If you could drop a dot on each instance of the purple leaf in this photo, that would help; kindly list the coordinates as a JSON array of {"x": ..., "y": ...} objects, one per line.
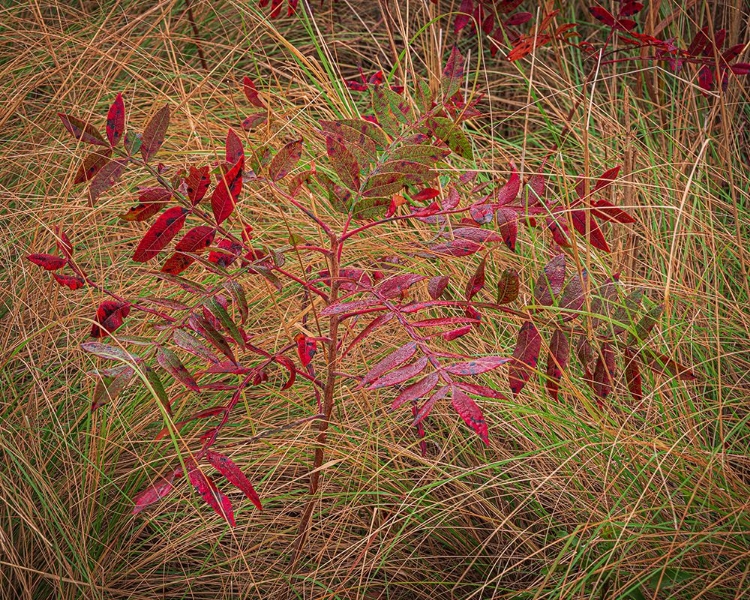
[{"x": 525, "y": 356}]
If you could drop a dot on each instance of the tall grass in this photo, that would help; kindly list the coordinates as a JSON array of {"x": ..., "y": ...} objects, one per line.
[{"x": 646, "y": 501}]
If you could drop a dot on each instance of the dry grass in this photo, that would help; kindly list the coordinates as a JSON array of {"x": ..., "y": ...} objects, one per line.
[{"x": 565, "y": 503}]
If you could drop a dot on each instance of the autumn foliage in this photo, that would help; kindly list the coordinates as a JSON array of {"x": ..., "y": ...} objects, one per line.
[{"x": 385, "y": 168}]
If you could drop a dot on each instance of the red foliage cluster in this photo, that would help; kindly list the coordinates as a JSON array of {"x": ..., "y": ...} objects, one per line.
[{"x": 380, "y": 170}]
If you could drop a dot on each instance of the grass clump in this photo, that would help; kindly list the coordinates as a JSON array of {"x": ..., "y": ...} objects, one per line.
[{"x": 567, "y": 501}]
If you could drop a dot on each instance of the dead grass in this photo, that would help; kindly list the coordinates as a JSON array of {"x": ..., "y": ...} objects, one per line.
[{"x": 563, "y": 504}]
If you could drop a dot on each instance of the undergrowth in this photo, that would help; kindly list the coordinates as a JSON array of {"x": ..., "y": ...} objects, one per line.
[{"x": 566, "y": 500}]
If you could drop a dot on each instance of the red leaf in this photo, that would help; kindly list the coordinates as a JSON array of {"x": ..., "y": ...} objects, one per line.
[
  {"x": 477, "y": 234},
  {"x": 289, "y": 366},
  {"x": 525, "y": 356},
  {"x": 400, "y": 375},
  {"x": 482, "y": 212},
  {"x": 630, "y": 8},
  {"x": 509, "y": 192},
  {"x": 254, "y": 120},
  {"x": 441, "y": 321},
  {"x": 348, "y": 307},
  {"x": 480, "y": 390},
  {"x": 91, "y": 165},
  {"x": 285, "y": 160},
  {"x": 398, "y": 285},
  {"x": 194, "y": 241},
  {"x": 604, "y": 373},
  {"x": 626, "y": 24},
  {"x": 700, "y": 41},
  {"x": 425, "y": 194},
  {"x": 390, "y": 362},
  {"x": 607, "y": 178},
  {"x": 153, "y": 134},
  {"x": 557, "y": 361},
  {"x": 602, "y": 15},
  {"x": 227, "y": 192},
  {"x": 49, "y": 262},
  {"x": 306, "y": 348},
  {"x": 171, "y": 363},
  {"x": 608, "y": 212},
  {"x": 426, "y": 409},
  {"x": 633, "y": 375},
  {"x": 476, "y": 282},
  {"x": 81, "y": 130},
  {"x": 596, "y": 238},
  {"x": 472, "y": 415},
  {"x": 585, "y": 353},
  {"x": 436, "y": 286},
  {"x": 740, "y": 68},
  {"x": 233, "y": 148},
  {"x": 537, "y": 186},
  {"x": 663, "y": 364},
  {"x": 416, "y": 390},
  {"x": 234, "y": 475},
  {"x": 251, "y": 93},
  {"x": 706, "y": 78},
  {"x": 211, "y": 495},
  {"x": 507, "y": 222},
  {"x": 64, "y": 245},
  {"x": 197, "y": 182},
  {"x": 458, "y": 247},
  {"x": 560, "y": 232},
  {"x": 453, "y": 73},
  {"x": 160, "y": 234},
  {"x": 109, "y": 317},
  {"x": 449, "y": 336},
  {"x": 151, "y": 201},
  {"x": 372, "y": 326},
  {"x": 507, "y": 286},
  {"x": 518, "y": 19},
  {"x": 462, "y": 19},
  {"x": 452, "y": 200},
  {"x": 343, "y": 162},
  {"x": 116, "y": 121},
  {"x": 232, "y": 251},
  {"x": 73, "y": 283},
  {"x": 573, "y": 295},
  {"x": 550, "y": 281},
  {"x": 476, "y": 366},
  {"x": 156, "y": 491},
  {"x": 106, "y": 178}
]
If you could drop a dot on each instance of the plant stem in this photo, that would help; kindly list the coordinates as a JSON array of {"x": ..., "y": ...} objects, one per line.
[{"x": 328, "y": 401}]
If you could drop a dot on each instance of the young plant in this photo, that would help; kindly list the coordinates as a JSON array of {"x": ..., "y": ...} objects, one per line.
[{"x": 381, "y": 170}]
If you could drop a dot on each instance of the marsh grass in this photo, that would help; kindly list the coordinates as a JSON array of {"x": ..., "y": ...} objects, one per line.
[{"x": 567, "y": 502}]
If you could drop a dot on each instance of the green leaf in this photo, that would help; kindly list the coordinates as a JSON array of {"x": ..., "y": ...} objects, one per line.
[
  {"x": 382, "y": 108},
  {"x": 419, "y": 153},
  {"x": 171, "y": 363},
  {"x": 220, "y": 313},
  {"x": 424, "y": 95},
  {"x": 645, "y": 325},
  {"x": 158, "y": 388},
  {"x": 109, "y": 389},
  {"x": 371, "y": 208},
  {"x": 238, "y": 295},
  {"x": 133, "y": 142},
  {"x": 452, "y": 134}
]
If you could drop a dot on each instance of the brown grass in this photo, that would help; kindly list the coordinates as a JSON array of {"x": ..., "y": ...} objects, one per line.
[{"x": 564, "y": 503}]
